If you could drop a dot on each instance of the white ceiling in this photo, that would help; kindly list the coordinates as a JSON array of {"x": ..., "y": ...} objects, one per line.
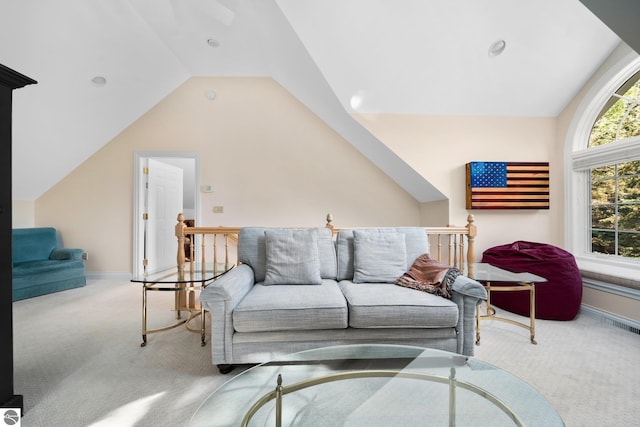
[{"x": 399, "y": 57}]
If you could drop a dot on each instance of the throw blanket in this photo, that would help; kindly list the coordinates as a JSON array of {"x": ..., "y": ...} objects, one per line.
[{"x": 429, "y": 275}]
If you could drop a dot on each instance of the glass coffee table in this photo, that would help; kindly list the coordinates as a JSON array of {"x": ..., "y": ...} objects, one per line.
[
  {"x": 184, "y": 285},
  {"x": 375, "y": 385},
  {"x": 496, "y": 279}
]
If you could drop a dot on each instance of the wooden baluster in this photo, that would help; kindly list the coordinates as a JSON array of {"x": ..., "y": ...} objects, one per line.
[
  {"x": 192, "y": 251},
  {"x": 455, "y": 248},
  {"x": 226, "y": 251},
  {"x": 462, "y": 257},
  {"x": 215, "y": 253},
  {"x": 180, "y": 235},
  {"x": 203, "y": 255}
]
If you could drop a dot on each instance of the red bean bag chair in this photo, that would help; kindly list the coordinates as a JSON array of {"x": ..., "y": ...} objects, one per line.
[{"x": 557, "y": 299}]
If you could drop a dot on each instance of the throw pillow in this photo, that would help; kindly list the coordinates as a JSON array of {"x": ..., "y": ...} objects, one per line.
[
  {"x": 292, "y": 257},
  {"x": 378, "y": 257}
]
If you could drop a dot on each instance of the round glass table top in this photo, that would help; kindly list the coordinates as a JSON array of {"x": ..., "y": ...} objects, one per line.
[{"x": 375, "y": 385}]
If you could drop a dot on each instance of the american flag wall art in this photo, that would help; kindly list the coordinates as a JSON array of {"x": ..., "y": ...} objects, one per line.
[{"x": 507, "y": 185}]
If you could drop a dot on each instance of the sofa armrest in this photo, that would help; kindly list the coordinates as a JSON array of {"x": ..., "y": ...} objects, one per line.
[
  {"x": 67, "y": 253},
  {"x": 221, "y": 297},
  {"x": 232, "y": 286},
  {"x": 467, "y": 294},
  {"x": 469, "y": 287}
]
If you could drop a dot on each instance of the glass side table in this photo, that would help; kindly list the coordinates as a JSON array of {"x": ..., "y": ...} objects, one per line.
[
  {"x": 184, "y": 285},
  {"x": 496, "y": 279}
]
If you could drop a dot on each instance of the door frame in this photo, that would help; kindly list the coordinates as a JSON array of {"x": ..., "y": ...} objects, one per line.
[{"x": 138, "y": 201}]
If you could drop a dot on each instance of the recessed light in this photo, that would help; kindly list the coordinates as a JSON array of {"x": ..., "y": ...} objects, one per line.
[
  {"x": 99, "y": 81},
  {"x": 497, "y": 48},
  {"x": 213, "y": 43}
]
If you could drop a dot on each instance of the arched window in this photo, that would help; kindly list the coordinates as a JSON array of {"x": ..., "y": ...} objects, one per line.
[
  {"x": 615, "y": 187},
  {"x": 603, "y": 171}
]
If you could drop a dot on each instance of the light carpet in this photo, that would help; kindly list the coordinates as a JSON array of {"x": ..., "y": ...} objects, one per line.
[{"x": 78, "y": 362}]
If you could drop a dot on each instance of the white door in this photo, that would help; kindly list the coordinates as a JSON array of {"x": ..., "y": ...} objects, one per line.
[{"x": 163, "y": 204}]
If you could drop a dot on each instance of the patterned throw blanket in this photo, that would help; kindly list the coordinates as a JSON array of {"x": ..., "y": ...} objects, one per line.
[{"x": 429, "y": 275}]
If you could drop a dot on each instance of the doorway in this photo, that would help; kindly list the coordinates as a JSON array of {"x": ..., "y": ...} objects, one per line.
[{"x": 165, "y": 184}]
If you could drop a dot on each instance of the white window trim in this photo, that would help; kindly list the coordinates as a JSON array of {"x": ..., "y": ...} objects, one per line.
[{"x": 577, "y": 161}]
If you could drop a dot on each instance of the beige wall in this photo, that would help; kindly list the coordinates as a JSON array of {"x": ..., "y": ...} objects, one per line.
[
  {"x": 270, "y": 160},
  {"x": 23, "y": 213},
  {"x": 438, "y": 147}
]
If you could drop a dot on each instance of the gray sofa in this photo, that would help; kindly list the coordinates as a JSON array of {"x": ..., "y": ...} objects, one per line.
[{"x": 297, "y": 289}]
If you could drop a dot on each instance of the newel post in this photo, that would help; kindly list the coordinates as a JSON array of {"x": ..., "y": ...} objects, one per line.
[
  {"x": 473, "y": 231},
  {"x": 329, "y": 223}
]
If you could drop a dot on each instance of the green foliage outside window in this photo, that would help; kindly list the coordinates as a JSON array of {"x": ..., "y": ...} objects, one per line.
[{"x": 615, "y": 189}]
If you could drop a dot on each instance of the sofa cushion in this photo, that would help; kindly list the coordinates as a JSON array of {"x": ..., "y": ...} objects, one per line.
[
  {"x": 291, "y": 307},
  {"x": 252, "y": 250},
  {"x": 385, "y": 305},
  {"x": 292, "y": 257},
  {"x": 378, "y": 257},
  {"x": 415, "y": 239},
  {"x": 45, "y": 266}
]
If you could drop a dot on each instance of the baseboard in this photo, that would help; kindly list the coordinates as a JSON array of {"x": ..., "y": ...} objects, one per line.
[
  {"x": 612, "y": 319},
  {"x": 101, "y": 275}
]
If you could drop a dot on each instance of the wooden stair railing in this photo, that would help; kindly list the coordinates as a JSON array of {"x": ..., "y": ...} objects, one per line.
[
  {"x": 453, "y": 237},
  {"x": 205, "y": 245},
  {"x": 453, "y": 245}
]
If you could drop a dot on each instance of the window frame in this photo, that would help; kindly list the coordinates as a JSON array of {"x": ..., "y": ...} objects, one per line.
[{"x": 578, "y": 161}]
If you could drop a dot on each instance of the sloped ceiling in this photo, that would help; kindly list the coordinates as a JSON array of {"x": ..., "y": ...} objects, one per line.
[{"x": 337, "y": 57}]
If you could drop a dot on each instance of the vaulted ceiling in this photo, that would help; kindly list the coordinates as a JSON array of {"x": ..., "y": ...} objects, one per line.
[{"x": 335, "y": 56}]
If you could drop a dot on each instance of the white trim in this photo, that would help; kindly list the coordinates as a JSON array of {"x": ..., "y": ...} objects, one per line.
[
  {"x": 608, "y": 154},
  {"x": 611, "y": 288},
  {"x": 624, "y": 268}
]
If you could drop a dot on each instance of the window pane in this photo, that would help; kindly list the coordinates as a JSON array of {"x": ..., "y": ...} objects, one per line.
[
  {"x": 605, "y": 128},
  {"x": 629, "y": 245},
  {"x": 629, "y": 168},
  {"x": 603, "y": 217},
  {"x": 629, "y": 189},
  {"x": 603, "y": 172},
  {"x": 630, "y": 124},
  {"x": 603, "y": 191},
  {"x": 603, "y": 242},
  {"x": 629, "y": 218}
]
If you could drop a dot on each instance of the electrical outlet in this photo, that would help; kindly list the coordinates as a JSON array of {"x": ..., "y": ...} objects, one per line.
[{"x": 218, "y": 209}]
